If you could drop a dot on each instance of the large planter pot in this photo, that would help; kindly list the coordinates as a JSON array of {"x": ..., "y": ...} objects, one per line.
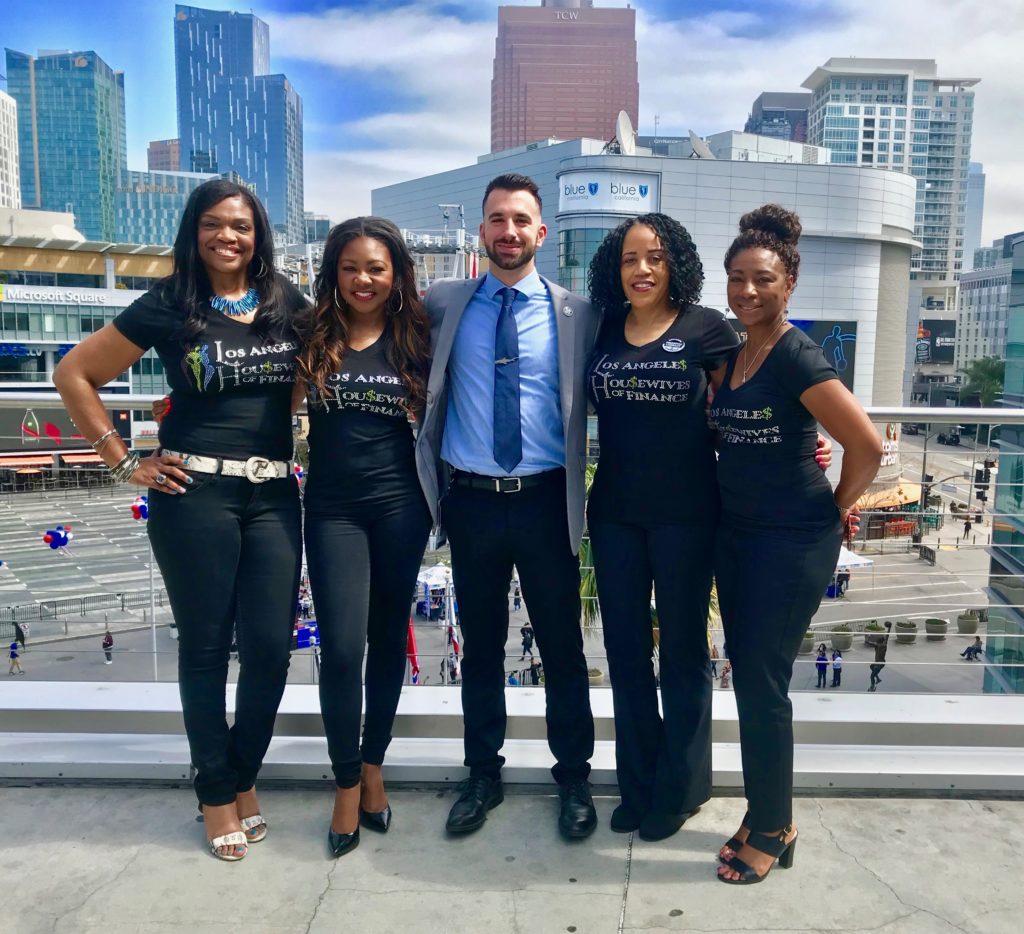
[
  {"x": 873, "y": 637},
  {"x": 595, "y": 676},
  {"x": 842, "y": 640},
  {"x": 807, "y": 644},
  {"x": 936, "y": 629},
  {"x": 967, "y": 624},
  {"x": 906, "y": 631}
]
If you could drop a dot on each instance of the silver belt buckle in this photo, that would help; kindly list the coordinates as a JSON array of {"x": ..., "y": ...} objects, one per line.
[
  {"x": 510, "y": 489},
  {"x": 257, "y": 470}
]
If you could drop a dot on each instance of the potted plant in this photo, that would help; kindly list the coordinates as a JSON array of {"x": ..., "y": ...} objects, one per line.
[
  {"x": 807, "y": 644},
  {"x": 967, "y": 623},
  {"x": 874, "y": 633},
  {"x": 595, "y": 676},
  {"x": 906, "y": 631},
  {"x": 936, "y": 629},
  {"x": 842, "y": 637}
]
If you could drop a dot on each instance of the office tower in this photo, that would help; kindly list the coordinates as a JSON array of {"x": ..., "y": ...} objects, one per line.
[
  {"x": 780, "y": 115},
  {"x": 983, "y": 312},
  {"x": 317, "y": 226},
  {"x": 900, "y": 114},
  {"x": 563, "y": 69},
  {"x": 10, "y": 184},
  {"x": 164, "y": 155},
  {"x": 975, "y": 212},
  {"x": 71, "y": 135},
  {"x": 233, "y": 116}
]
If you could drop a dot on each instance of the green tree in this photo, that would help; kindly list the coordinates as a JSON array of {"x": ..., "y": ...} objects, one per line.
[{"x": 984, "y": 377}]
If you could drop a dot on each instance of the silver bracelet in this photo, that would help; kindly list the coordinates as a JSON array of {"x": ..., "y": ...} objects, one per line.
[
  {"x": 125, "y": 468},
  {"x": 103, "y": 439}
]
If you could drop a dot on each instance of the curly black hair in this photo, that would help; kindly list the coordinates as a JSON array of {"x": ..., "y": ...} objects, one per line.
[
  {"x": 686, "y": 275},
  {"x": 771, "y": 227}
]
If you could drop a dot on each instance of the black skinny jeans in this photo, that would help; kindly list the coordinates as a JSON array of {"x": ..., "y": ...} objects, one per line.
[
  {"x": 770, "y": 584},
  {"x": 229, "y": 551},
  {"x": 662, "y": 760},
  {"x": 363, "y": 564}
]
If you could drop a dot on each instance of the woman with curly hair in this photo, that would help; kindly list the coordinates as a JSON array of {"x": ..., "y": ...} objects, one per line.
[
  {"x": 652, "y": 512},
  {"x": 782, "y": 523},
  {"x": 364, "y": 361}
]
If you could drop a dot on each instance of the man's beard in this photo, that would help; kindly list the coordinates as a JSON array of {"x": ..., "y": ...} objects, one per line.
[{"x": 526, "y": 254}]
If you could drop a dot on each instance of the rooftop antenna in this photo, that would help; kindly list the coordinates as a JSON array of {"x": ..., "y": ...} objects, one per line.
[
  {"x": 625, "y": 135},
  {"x": 446, "y": 210},
  {"x": 700, "y": 148}
]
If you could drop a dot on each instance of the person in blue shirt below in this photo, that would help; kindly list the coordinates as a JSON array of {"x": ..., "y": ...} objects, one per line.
[
  {"x": 364, "y": 360},
  {"x": 782, "y": 523},
  {"x": 503, "y": 441}
]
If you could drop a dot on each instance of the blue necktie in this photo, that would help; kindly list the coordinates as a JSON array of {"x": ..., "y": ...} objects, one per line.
[{"x": 508, "y": 428}]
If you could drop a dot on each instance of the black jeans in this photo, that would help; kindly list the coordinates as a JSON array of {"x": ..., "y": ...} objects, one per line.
[
  {"x": 489, "y": 532},
  {"x": 229, "y": 550},
  {"x": 837, "y": 677},
  {"x": 362, "y": 569},
  {"x": 822, "y": 677},
  {"x": 770, "y": 584},
  {"x": 662, "y": 760}
]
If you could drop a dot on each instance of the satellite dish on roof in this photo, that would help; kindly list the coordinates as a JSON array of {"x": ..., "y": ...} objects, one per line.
[
  {"x": 700, "y": 148},
  {"x": 625, "y": 135}
]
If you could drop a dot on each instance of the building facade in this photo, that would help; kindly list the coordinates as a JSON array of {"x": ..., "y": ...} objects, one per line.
[
  {"x": 71, "y": 135},
  {"x": 975, "y": 212},
  {"x": 10, "y": 181},
  {"x": 748, "y": 147},
  {"x": 234, "y": 116},
  {"x": 317, "y": 226},
  {"x": 781, "y": 115},
  {"x": 562, "y": 69},
  {"x": 164, "y": 155},
  {"x": 984, "y": 303}
]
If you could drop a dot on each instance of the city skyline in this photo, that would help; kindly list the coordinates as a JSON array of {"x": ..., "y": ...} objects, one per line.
[{"x": 394, "y": 91}]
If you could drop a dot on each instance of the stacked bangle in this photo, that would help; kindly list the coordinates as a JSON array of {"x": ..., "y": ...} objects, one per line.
[
  {"x": 103, "y": 439},
  {"x": 125, "y": 468}
]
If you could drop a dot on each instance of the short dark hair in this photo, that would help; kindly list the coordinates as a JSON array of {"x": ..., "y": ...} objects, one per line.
[{"x": 512, "y": 181}]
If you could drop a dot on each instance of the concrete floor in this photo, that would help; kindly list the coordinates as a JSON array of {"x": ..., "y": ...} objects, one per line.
[{"x": 124, "y": 859}]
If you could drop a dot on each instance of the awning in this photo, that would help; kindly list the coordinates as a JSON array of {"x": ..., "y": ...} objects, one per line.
[
  {"x": 902, "y": 494},
  {"x": 81, "y": 458},
  {"x": 26, "y": 460}
]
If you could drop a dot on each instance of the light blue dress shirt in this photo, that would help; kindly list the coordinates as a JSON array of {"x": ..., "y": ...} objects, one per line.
[{"x": 468, "y": 442}]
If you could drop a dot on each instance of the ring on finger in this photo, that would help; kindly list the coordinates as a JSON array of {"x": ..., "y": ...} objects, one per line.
[{"x": 161, "y": 478}]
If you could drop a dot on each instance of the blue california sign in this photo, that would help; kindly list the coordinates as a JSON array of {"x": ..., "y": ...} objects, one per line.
[{"x": 592, "y": 188}]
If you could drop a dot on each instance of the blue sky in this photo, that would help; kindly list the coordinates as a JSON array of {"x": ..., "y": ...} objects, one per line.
[{"x": 394, "y": 89}]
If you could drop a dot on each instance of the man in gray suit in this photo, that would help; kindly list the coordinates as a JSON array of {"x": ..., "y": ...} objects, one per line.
[{"x": 503, "y": 444}]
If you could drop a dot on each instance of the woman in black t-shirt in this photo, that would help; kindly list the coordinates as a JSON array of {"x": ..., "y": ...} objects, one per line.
[
  {"x": 225, "y": 520},
  {"x": 782, "y": 524},
  {"x": 652, "y": 512},
  {"x": 364, "y": 360}
]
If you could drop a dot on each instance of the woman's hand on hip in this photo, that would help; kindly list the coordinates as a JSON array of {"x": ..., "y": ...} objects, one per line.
[{"x": 161, "y": 472}]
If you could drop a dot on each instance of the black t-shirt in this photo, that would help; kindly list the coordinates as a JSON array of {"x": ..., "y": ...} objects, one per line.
[
  {"x": 230, "y": 389},
  {"x": 657, "y": 461},
  {"x": 767, "y": 473},
  {"x": 360, "y": 439}
]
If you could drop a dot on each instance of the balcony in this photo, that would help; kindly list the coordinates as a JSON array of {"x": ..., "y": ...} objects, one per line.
[{"x": 894, "y": 786}]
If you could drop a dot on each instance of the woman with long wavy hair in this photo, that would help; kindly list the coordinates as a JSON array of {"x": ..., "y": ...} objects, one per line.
[
  {"x": 224, "y": 509},
  {"x": 364, "y": 360}
]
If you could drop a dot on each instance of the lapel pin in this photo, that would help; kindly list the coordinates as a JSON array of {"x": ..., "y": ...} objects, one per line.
[{"x": 567, "y": 311}]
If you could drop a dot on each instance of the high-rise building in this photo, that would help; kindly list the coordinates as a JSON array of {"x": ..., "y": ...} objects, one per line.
[
  {"x": 317, "y": 226},
  {"x": 71, "y": 135},
  {"x": 10, "y": 183},
  {"x": 975, "y": 212},
  {"x": 564, "y": 70},
  {"x": 164, "y": 155},
  {"x": 983, "y": 312},
  {"x": 233, "y": 115},
  {"x": 780, "y": 114},
  {"x": 900, "y": 114}
]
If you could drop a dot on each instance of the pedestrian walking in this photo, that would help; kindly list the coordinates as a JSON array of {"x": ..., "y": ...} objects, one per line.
[
  {"x": 19, "y": 635},
  {"x": 15, "y": 665},
  {"x": 881, "y": 648},
  {"x": 517, "y": 599},
  {"x": 821, "y": 663},
  {"x": 108, "y": 647},
  {"x": 527, "y": 633},
  {"x": 837, "y": 668},
  {"x": 714, "y": 660},
  {"x": 535, "y": 672},
  {"x": 726, "y": 671},
  {"x": 967, "y": 528}
]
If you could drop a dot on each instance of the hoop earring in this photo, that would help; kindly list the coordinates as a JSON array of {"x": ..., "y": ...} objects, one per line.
[
  {"x": 627, "y": 304},
  {"x": 263, "y": 268},
  {"x": 392, "y": 312},
  {"x": 337, "y": 301}
]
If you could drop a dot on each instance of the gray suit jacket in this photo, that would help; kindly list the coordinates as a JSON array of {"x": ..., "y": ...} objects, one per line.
[{"x": 577, "y": 331}]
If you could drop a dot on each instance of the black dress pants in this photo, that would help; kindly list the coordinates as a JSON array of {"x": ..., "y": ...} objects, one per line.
[
  {"x": 662, "y": 760},
  {"x": 489, "y": 533},
  {"x": 229, "y": 550},
  {"x": 363, "y": 564},
  {"x": 770, "y": 584}
]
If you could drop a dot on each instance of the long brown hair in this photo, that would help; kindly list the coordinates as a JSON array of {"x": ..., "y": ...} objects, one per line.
[{"x": 323, "y": 328}]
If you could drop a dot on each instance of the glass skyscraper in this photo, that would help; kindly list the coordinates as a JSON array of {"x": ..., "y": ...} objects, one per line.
[
  {"x": 233, "y": 116},
  {"x": 71, "y": 135}
]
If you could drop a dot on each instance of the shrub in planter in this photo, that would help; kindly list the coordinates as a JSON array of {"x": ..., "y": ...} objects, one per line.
[
  {"x": 842, "y": 637},
  {"x": 936, "y": 629},
  {"x": 595, "y": 676},
  {"x": 807, "y": 643},
  {"x": 906, "y": 631},
  {"x": 874, "y": 633},
  {"x": 967, "y": 623}
]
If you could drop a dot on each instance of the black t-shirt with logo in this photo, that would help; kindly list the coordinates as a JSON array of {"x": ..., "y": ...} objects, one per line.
[
  {"x": 657, "y": 463},
  {"x": 360, "y": 438},
  {"x": 230, "y": 389},
  {"x": 767, "y": 473}
]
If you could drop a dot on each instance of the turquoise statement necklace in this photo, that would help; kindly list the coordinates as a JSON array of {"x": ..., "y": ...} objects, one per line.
[{"x": 236, "y": 307}]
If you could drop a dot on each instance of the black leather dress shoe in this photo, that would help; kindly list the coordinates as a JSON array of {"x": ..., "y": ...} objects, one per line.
[
  {"x": 376, "y": 820},
  {"x": 476, "y": 797},
  {"x": 578, "y": 816},
  {"x": 659, "y": 825},
  {"x": 625, "y": 819},
  {"x": 342, "y": 843}
]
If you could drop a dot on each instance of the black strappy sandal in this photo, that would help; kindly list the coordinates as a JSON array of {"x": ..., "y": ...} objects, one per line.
[
  {"x": 774, "y": 846},
  {"x": 734, "y": 843}
]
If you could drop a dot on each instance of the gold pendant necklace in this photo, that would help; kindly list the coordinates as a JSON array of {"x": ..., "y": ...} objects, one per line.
[{"x": 746, "y": 356}]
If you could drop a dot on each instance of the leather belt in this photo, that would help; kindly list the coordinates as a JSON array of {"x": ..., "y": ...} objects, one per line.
[
  {"x": 476, "y": 481},
  {"x": 254, "y": 469}
]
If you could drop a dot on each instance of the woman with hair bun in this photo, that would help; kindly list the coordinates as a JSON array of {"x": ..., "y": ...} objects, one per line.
[{"x": 782, "y": 523}]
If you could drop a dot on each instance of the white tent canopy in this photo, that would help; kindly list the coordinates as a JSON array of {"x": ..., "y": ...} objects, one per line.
[
  {"x": 436, "y": 577},
  {"x": 848, "y": 560}
]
